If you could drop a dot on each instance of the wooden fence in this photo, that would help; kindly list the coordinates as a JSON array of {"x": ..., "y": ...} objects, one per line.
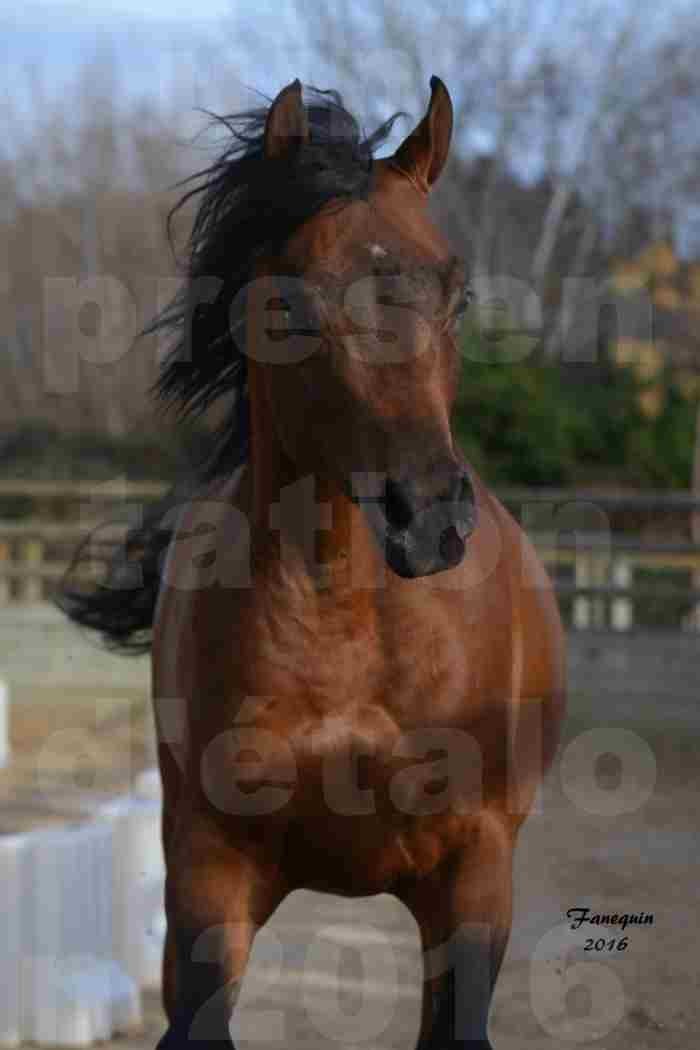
[
  {"x": 607, "y": 576},
  {"x": 42, "y": 523}
]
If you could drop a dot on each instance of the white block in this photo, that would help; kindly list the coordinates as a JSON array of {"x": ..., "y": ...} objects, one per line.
[
  {"x": 42, "y": 915},
  {"x": 125, "y": 999},
  {"x": 4, "y": 723},
  {"x": 139, "y": 886},
  {"x": 73, "y": 992},
  {"x": 12, "y": 849}
]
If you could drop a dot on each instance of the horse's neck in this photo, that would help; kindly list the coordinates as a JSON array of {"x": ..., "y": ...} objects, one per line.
[
  {"x": 309, "y": 525},
  {"x": 304, "y": 521}
]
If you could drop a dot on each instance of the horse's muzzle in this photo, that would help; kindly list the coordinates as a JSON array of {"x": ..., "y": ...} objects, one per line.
[{"x": 421, "y": 536}]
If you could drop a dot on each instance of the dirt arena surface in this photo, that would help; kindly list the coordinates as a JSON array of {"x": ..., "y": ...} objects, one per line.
[{"x": 329, "y": 972}]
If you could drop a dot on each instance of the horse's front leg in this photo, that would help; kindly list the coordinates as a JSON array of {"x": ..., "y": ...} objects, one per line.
[
  {"x": 464, "y": 910},
  {"x": 217, "y": 897}
]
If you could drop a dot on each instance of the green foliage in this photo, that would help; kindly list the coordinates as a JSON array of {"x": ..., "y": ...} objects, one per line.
[
  {"x": 525, "y": 421},
  {"x": 520, "y": 421},
  {"x": 664, "y": 447},
  {"x": 512, "y": 422}
]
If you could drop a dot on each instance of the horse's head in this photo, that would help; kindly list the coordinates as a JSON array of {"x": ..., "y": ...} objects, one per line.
[{"x": 355, "y": 346}]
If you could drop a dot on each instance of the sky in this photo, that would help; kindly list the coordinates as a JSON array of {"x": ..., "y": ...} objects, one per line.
[
  {"x": 212, "y": 54},
  {"x": 34, "y": 11},
  {"x": 201, "y": 53},
  {"x": 57, "y": 36}
]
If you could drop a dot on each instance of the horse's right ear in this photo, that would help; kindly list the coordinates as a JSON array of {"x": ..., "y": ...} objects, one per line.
[{"x": 287, "y": 126}]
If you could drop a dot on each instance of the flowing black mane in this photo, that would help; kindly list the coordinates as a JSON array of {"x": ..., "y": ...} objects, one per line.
[{"x": 247, "y": 204}]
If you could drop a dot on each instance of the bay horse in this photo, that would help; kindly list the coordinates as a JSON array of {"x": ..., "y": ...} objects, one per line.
[{"x": 358, "y": 670}]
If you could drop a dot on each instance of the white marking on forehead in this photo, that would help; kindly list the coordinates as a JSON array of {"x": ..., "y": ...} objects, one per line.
[{"x": 377, "y": 251}]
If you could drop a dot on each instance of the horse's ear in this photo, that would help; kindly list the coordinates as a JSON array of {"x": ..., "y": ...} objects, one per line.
[
  {"x": 286, "y": 127},
  {"x": 423, "y": 154}
]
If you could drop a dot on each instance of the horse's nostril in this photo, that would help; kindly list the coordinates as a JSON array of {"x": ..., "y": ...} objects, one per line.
[
  {"x": 451, "y": 546},
  {"x": 397, "y": 507},
  {"x": 464, "y": 528}
]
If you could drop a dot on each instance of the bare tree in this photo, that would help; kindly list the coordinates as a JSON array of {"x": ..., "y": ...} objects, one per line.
[
  {"x": 590, "y": 108},
  {"x": 83, "y": 242},
  {"x": 585, "y": 97}
]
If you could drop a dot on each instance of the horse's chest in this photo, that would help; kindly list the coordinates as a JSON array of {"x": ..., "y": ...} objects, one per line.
[
  {"x": 379, "y": 800},
  {"x": 416, "y": 673},
  {"x": 365, "y": 800},
  {"x": 367, "y": 740},
  {"x": 352, "y": 712}
]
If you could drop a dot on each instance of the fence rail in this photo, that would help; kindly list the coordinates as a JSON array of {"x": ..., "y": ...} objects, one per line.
[
  {"x": 605, "y": 577},
  {"x": 606, "y": 499},
  {"x": 117, "y": 489}
]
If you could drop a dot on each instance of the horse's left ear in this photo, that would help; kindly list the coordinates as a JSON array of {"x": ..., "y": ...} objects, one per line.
[
  {"x": 423, "y": 154},
  {"x": 286, "y": 126}
]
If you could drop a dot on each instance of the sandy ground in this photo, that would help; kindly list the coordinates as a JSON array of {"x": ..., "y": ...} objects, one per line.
[{"x": 328, "y": 972}]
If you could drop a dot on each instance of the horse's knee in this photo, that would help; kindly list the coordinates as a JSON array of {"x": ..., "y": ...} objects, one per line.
[{"x": 216, "y": 900}]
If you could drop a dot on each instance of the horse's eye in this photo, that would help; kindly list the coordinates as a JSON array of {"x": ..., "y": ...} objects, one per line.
[
  {"x": 463, "y": 303},
  {"x": 294, "y": 314},
  {"x": 465, "y": 300},
  {"x": 280, "y": 307}
]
